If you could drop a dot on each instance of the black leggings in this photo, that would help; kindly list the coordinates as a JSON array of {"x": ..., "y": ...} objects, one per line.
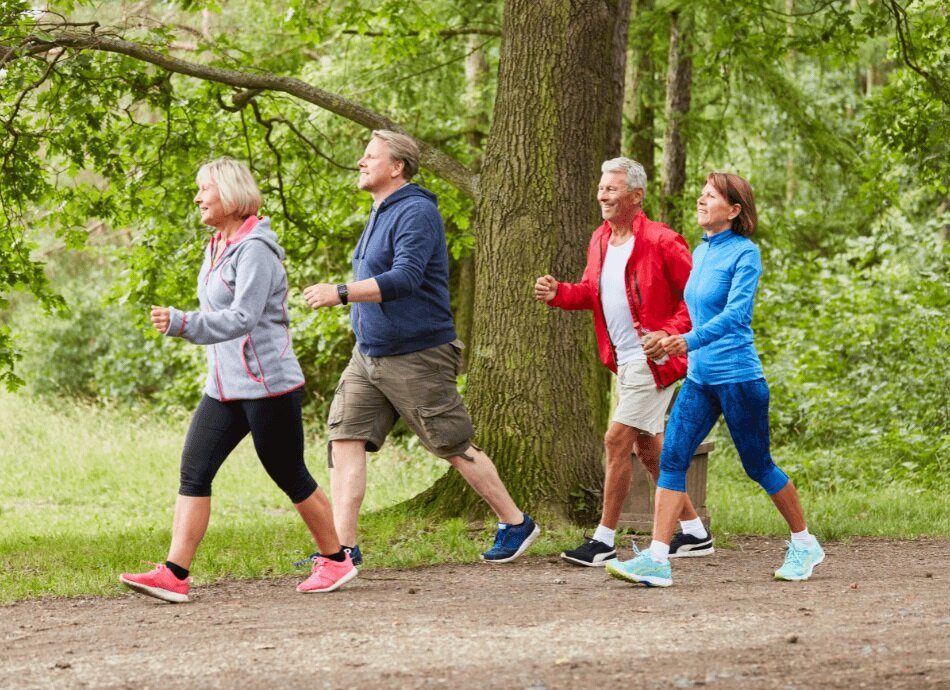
[{"x": 275, "y": 425}]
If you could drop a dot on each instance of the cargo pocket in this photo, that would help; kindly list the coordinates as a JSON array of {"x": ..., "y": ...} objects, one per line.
[
  {"x": 336, "y": 405},
  {"x": 446, "y": 426}
]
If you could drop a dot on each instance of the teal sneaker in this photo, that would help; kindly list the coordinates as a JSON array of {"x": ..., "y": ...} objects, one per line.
[
  {"x": 642, "y": 570},
  {"x": 800, "y": 561}
]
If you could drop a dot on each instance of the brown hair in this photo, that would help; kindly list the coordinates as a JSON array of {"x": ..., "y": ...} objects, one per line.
[
  {"x": 737, "y": 190},
  {"x": 401, "y": 148}
]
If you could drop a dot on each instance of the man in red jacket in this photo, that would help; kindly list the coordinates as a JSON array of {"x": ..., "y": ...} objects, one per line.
[{"x": 634, "y": 279}]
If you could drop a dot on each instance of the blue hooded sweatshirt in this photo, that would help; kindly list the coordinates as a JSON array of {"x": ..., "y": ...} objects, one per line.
[{"x": 403, "y": 248}]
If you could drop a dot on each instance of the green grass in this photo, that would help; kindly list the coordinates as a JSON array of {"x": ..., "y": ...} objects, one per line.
[{"x": 87, "y": 492}]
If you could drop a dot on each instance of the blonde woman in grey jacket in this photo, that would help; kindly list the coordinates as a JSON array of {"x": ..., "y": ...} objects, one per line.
[{"x": 254, "y": 382}]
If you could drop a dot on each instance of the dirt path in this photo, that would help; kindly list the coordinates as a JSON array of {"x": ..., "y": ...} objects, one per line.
[{"x": 876, "y": 614}]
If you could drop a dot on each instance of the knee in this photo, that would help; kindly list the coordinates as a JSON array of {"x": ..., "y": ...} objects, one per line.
[{"x": 618, "y": 446}]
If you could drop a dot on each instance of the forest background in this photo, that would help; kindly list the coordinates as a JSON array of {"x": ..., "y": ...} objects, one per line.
[{"x": 837, "y": 112}]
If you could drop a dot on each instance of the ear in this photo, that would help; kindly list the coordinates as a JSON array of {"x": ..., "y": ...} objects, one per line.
[
  {"x": 398, "y": 168},
  {"x": 638, "y": 195},
  {"x": 735, "y": 211}
]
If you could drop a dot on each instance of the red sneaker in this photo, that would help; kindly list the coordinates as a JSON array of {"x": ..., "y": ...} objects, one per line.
[
  {"x": 328, "y": 575},
  {"x": 160, "y": 583}
]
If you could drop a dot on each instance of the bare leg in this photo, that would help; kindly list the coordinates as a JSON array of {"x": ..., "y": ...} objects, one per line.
[
  {"x": 789, "y": 506},
  {"x": 618, "y": 444},
  {"x": 648, "y": 451},
  {"x": 348, "y": 487},
  {"x": 669, "y": 506},
  {"x": 318, "y": 516},
  {"x": 188, "y": 529},
  {"x": 482, "y": 476}
]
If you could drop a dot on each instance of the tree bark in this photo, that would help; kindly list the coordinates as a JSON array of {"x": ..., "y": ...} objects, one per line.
[
  {"x": 678, "y": 87},
  {"x": 476, "y": 125},
  {"x": 638, "y": 111},
  {"x": 536, "y": 390}
]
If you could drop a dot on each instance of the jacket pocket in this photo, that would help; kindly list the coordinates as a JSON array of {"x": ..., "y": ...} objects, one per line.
[{"x": 252, "y": 365}]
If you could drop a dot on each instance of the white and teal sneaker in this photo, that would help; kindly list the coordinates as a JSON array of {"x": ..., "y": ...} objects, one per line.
[
  {"x": 800, "y": 561},
  {"x": 642, "y": 570}
]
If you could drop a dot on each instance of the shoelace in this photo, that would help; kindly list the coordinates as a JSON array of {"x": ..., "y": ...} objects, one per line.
[
  {"x": 796, "y": 554},
  {"x": 500, "y": 535}
]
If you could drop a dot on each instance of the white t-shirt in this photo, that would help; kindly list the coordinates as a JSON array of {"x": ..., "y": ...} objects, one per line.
[{"x": 613, "y": 298}]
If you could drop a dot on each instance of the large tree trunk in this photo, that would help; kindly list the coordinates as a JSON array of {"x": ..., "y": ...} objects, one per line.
[
  {"x": 536, "y": 390},
  {"x": 679, "y": 83},
  {"x": 476, "y": 123},
  {"x": 638, "y": 110}
]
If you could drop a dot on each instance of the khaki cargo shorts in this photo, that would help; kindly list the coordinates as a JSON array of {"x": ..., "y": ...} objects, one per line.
[
  {"x": 641, "y": 404},
  {"x": 374, "y": 392}
]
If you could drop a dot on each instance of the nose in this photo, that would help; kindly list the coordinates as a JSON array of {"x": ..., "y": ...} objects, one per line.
[{"x": 197, "y": 198}]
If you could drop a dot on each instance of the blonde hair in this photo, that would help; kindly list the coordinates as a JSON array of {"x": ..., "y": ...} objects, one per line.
[
  {"x": 236, "y": 186},
  {"x": 401, "y": 148}
]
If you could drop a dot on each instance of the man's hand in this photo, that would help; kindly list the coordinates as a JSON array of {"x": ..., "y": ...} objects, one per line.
[
  {"x": 160, "y": 318},
  {"x": 674, "y": 345},
  {"x": 545, "y": 289},
  {"x": 651, "y": 342},
  {"x": 321, "y": 295}
]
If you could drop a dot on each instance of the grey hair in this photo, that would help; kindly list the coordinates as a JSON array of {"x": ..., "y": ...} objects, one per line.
[
  {"x": 401, "y": 148},
  {"x": 636, "y": 175}
]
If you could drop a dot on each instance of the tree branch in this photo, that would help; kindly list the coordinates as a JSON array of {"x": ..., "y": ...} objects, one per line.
[{"x": 437, "y": 161}]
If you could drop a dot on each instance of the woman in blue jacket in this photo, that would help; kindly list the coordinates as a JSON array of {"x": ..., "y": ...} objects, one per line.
[{"x": 724, "y": 377}]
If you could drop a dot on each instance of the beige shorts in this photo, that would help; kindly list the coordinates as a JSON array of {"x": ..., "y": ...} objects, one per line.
[
  {"x": 420, "y": 387},
  {"x": 641, "y": 404}
]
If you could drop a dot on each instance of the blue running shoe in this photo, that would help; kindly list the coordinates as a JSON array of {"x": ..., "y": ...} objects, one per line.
[
  {"x": 354, "y": 552},
  {"x": 512, "y": 540},
  {"x": 800, "y": 561},
  {"x": 642, "y": 570}
]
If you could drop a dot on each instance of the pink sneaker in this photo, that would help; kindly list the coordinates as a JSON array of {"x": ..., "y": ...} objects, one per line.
[
  {"x": 328, "y": 575},
  {"x": 160, "y": 583}
]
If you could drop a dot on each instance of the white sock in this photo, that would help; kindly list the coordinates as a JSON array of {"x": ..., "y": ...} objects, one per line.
[
  {"x": 659, "y": 552},
  {"x": 605, "y": 535},
  {"x": 803, "y": 538},
  {"x": 694, "y": 528}
]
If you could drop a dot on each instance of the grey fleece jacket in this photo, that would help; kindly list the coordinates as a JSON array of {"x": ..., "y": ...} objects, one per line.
[{"x": 243, "y": 318}]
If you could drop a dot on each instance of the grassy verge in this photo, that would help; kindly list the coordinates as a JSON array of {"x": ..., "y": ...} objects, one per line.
[{"x": 86, "y": 493}]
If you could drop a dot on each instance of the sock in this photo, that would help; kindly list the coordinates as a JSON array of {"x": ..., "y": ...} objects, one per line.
[
  {"x": 337, "y": 557},
  {"x": 694, "y": 528},
  {"x": 803, "y": 538},
  {"x": 605, "y": 535},
  {"x": 659, "y": 552},
  {"x": 177, "y": 570}
]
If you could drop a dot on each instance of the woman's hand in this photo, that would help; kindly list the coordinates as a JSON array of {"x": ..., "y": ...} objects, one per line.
[
  {"x": 545, "y": 289},
  {"x": 160, "y": 318},
  {"x": 653, "y": 344},
  {"x": 674, "y": 345}
]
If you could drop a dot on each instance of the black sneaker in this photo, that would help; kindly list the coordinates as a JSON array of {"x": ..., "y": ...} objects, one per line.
[
  {"x": 590, "y": 553},
  {"x": 354, "y": 552},
  {"x": 686, "y": 545}
]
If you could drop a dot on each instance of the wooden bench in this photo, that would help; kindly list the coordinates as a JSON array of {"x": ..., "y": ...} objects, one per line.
[{"x": 637, "y": 512}]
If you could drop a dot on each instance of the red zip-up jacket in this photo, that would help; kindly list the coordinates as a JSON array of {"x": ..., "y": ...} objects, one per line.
[{"x": 656, "y": 275}]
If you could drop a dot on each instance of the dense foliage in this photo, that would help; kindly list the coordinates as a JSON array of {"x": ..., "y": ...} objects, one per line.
[{"x": 838, "y": 112}]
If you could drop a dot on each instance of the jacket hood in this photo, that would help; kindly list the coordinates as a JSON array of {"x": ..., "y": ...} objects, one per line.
[
  {"x": 407, "y": 191},
  {"x": 257, "y": 229}
]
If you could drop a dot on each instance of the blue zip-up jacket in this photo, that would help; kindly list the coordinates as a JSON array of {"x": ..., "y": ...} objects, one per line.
[
  {"x": 243, "y": 317},
  {"x": 720, "y": 294},
  {"x": 403, "y": 248}
]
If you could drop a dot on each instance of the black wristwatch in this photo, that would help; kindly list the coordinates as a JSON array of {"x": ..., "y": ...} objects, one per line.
[{"x": 343, "y": 293}]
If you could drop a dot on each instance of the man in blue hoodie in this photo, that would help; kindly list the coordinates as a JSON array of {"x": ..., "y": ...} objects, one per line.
[{"x": 407, "y": 354}]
